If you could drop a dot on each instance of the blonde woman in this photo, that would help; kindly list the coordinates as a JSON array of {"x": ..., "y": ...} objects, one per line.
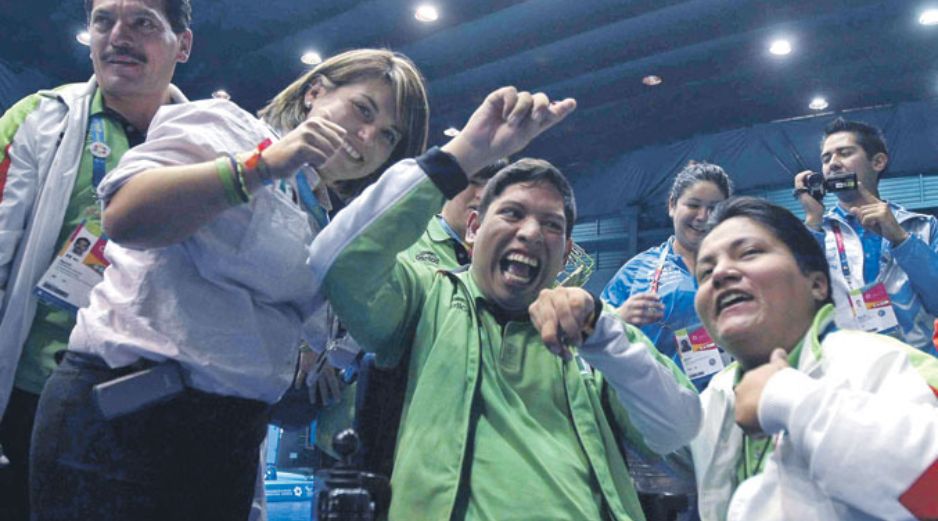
[{"x": 209, "y": 221}]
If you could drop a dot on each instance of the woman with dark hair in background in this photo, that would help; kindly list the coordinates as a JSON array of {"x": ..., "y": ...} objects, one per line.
[
  {"x": 209, "y": 222},
  {"x": 811, "y": 423},
  {"x": 655, "y": 291}
]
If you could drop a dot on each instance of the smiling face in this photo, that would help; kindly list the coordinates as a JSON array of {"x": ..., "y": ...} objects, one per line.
[
  {"x": 753, "y": 297},
  {"x": 367, "y": 111},
  {"x": 133, "y": 48},
  {"x": 520, "y": 244},
  {"x": 841, "y": 152},
  {"x": 689, "y": 214}
]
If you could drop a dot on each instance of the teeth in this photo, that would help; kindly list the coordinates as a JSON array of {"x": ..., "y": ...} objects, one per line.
[
  {"x": 729, "y": 299},
  {"x": 523, "y": 259},
  {"x": 351, "y": 151}
]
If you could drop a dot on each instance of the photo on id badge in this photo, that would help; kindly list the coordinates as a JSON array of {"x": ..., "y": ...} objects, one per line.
[
  {"x": 77, "y": 267},
  {"x": 699, "y": 354}
]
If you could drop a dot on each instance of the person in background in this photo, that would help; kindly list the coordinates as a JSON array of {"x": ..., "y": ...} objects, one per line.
[
  {"x": 209, "y": 222},
  {"x": 883, "y": 258},
  {"x": 55, "y": 147},
  {"x": 812, "y": 422},
  {"x": 655, "y": 291},
  {"x": 443, "y": 245}
]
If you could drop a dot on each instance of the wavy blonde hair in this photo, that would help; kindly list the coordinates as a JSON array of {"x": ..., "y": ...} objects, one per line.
[{"x": 287, "y": 110}]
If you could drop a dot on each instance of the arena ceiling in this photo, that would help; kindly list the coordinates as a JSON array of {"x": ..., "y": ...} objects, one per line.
[{"x": 712, "y": 57}]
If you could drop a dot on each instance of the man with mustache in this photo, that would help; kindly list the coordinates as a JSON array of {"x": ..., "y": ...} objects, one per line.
[
  {"x": 55, "y": 146},
  {"x": 489, "y": 410}
]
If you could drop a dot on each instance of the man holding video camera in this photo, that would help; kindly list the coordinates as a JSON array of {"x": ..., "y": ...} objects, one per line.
[{"x": 883, "y": 258}]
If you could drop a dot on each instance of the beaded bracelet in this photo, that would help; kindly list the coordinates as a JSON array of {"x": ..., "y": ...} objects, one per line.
[{"x": 223, "y": 169}]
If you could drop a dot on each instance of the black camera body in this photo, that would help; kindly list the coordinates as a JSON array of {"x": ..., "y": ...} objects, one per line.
[{"x": 817, "y": 185}]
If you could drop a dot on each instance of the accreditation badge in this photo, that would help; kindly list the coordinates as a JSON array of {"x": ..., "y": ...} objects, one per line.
[
  {"x": 699, "y": 354},
  {"x": 76, "y": 269},
  {"x": 873, "y": 309}
]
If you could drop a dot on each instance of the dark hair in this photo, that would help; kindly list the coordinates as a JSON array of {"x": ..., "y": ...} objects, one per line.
[
  {"x": 696, "y": 172},
  {"x": 529, "y": 170},
  {"x": 870, "y": 138},
  {"x": 783, "y": 224},
  {"x": 489, "y": 171},
  {"x": 178, "y": 12}
]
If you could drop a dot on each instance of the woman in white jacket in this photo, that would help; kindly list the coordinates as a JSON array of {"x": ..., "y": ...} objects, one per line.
[{"x": 812, "y": 422}]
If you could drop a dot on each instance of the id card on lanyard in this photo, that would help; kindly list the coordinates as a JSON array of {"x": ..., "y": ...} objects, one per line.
[
  {"x": 80, "y": 263},
  {"x": 699, "y": 354},
  {"x": 870, "y": 304}
]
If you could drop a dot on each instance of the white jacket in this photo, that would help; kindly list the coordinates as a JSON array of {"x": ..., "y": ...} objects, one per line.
[
  {"x": 44, "y": 153},
  {"x": 857, "y": 425}
]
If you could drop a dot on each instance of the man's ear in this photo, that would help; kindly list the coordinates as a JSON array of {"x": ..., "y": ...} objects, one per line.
[
  {"x": 472, "y": 227},
  {"x": 671, "y": 204},
  {"x": 880, "y": 161},
  {"x": 185, "y": 46},
  {"x": 820, "y": 285},
  {"x": 566, "y": 251}
]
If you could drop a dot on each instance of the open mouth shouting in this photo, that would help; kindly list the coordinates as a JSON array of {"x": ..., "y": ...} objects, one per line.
[
  {"x": 730, "y": 299},
  {"x": 519, "y": 269}
]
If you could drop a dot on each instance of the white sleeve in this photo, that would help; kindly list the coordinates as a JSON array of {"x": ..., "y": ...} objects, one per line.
[
  {"x": 875, "y": 450},
  {"x": 667, "y": 414},
  {"x": 19, "y": 181},
  {"x": 187, "y": 134}
]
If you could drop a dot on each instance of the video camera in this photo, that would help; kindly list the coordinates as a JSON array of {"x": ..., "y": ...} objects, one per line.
[{"x": 817, "y": 185}]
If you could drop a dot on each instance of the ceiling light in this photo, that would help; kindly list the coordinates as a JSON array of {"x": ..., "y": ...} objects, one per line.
[
  {"x": 451, "y": 132},
  {"x": 83, "y": 38},
  {"x": 928, "y": 17},
  {"x": 426, "y": 13},
  {"x": 311, "y": 58},
  {"x": 651, "y": 80},
  {"x": 780, "y": 47},
  {"x": 221, "y": 94},
  {"x": 818, "y": 103}
]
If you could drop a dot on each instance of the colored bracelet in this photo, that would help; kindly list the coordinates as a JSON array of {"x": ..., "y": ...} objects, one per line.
[
  {"x": 223, "y": 169},
  {"x": 239, "y": 183},
  {"x": 256, "y": 162},
  {"x": 240, "y": 187}
]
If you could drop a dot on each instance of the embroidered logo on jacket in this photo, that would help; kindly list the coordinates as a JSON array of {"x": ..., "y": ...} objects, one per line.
[{"x": 428, "y": 256}]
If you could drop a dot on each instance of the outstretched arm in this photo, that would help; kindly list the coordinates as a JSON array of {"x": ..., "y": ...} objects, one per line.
[
  {"x": 355, "y": 257},
  {"x": 666, "y": 413}
]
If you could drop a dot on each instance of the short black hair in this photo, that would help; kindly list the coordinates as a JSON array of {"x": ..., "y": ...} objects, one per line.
[
  {"x": 783, "y": 225},
  {"x": 697, "y": 171},
  {"x": 489, "y": 171},
  {"x": 870, "y": 138},
  {"x": 178, "y": 12},
  {"x": 530, "y": 170}
]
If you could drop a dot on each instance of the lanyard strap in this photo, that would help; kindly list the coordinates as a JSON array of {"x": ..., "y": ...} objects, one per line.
[
  {"x": 750, "y": 467},
  {"x": 99, "y": 150},
  {"x": 309, "y": 200},
  {"x": 842, "y": 253},
  {"x": 662, "y": 259}
]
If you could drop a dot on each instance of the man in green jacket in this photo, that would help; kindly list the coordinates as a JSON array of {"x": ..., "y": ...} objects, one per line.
[{"x": 495, "y": 426}]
